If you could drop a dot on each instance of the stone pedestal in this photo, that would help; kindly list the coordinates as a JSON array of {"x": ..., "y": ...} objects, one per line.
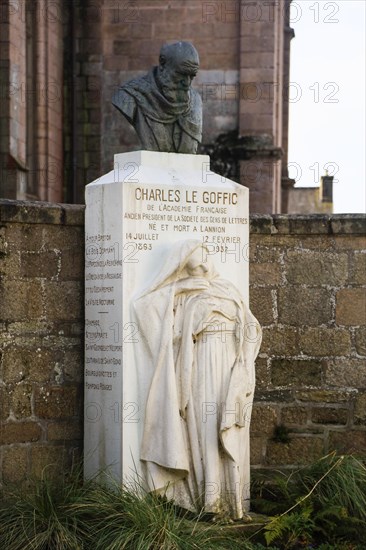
[{"x": 134, "y": 214}]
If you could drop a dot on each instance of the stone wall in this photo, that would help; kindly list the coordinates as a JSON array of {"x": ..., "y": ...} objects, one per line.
[
  {"x": 41, "y": 342},
  {"x": 308, "y": 290}
]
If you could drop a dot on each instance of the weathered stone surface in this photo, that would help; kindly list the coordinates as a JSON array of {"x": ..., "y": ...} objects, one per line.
[
  {"x": 264, "y": 419},
  {"x": 348, "y": 441},
  {"x": 30, "y": 212},
  {"x": 19, "y": 432},
  {"x": 348, "y": 223},
  {"x": 351, "y": 306},
  {"x": 350, "y": 242},
  {"x": 326, "y": 396},
  {"x": 324, "y": 342},
  {"x": 39, "y": 264},
  {"x": 48, "y": 460},
  {"x": 360, "y": 409},
  {"x": 262, "y": 373},
  {"x": 273, "y": 396},
  {"x": 267, "y": 255},
  {"x": 56, "y": 402},
  {"x": 360, "y": 340},
  {"x": 72, "y": 264},
  {"x": 71, "y": 365},
  {"x": 14, "y": 466},
  {"x": 305, "y": 306},
  {"x": 4, "y": 403},
  {"x": 328, "y": 415},
  {"x": 256, "y": 450},
  {"x": 296, "y": 372},
  {"x": 279, "y": 341},
  {"x": 22, "y": 237},
  {"x": 316, "y": 242},
  {"x": 20, "y": 300},
  {"x": 22, "y": 363},
  {"x": 300, "y": 450},
  {"x": 60, "y": 431},
  {"x": 21, "y": 400},
  {"x": 294, "y": 415},
  {"x": 359, "y": 267},
  {"x": 64, "y": 300},
  {"x": 268, "y": 274},
  {"x": 346, "y": 373},
  {"x": 316, "y": 268},
  {"x": 261, "y": 305}
]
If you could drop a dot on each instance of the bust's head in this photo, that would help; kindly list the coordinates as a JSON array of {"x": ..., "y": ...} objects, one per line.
[{"x": 178, "y": 65}]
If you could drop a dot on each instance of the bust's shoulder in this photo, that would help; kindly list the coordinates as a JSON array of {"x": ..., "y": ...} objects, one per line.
[{"x": 124, "y": 102}]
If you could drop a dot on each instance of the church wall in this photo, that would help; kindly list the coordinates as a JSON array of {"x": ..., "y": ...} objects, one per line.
[{"x": 308, "y": 291}]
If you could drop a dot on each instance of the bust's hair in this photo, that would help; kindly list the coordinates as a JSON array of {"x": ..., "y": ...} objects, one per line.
[{"x": 179, "y": 53}]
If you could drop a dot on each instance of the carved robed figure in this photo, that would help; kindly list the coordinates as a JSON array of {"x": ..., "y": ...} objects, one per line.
[
  {"x": 198, "y": 343},
  {"x": 164, "y": 109}
]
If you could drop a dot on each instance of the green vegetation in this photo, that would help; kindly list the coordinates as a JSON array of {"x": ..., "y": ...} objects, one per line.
[{"x": 322, "y": 506}]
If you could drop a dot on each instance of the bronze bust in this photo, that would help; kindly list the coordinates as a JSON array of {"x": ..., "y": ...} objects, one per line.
[{"x": 164, "y": 109}]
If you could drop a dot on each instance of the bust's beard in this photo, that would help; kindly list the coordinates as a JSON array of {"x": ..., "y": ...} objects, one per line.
[{"x": 173, "y": 94}]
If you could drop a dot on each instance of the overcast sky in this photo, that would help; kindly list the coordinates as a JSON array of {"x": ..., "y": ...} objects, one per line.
[{"x": 327, "y": 98}]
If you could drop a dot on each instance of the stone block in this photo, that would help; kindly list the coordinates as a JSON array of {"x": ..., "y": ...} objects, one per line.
[
  {"x": 27, "y": 212},
  {"x": 359, "y": 269},
  {"x": 56, "y": 402},
  {"x": 261, "y": 304},
  {"x": 360, "y": 340},
  {"x": 325, "y": 396},
  {"x": 257, "y": 445},
  {"x": 49, "y": 461},
  {"x": 304, "y": 306},
  {"x": 346, "y": 372},
  {"x": 294, "y": 415},
  {"x": 73, "y": 366},
  {"x": 21, "y": 400},
  {"x": 264, "y": 419},
  {"x": 316, "y": 242},
  {"x": 296, "y": 372},
  {"x": 324, "y": 342},
  {"x": 348, "y": 223},
  {"x": 20, "y": 300},
  {"x": 22, "y": 363},
  {"x": 347, "y": 441},
  {"x": 268, "y": 274},
  {"x": 316, "y": 268},
  {"x": 19, "y": 432},
  {"x": 279, "y": 341},
  {"x": 351, "y": 306},
  {"x": 273, "y": 396},
  {"x": 64, "y": 300},
  {"x": 267, "y": 255},
  {"x": 61, "y": 431},
  {"x": 4, "y": 403},
  {"x": 39, "y": 264},
  {"x": 15, "y": 464},
  {"x": 350, "y": 242},
  {"x": 72, "y": 263},
  {"x": 262, "y": 373},
  {"x": 360, "y": 409},
  {"x": 300, "y": 450},
  {"x": 329, "y": 415}
]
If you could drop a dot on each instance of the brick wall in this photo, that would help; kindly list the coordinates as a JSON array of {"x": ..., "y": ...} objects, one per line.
[{"x": 308, "y": 290}]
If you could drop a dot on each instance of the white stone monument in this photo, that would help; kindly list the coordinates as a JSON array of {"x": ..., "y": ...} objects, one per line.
[{"x": 166, "y": 296}]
